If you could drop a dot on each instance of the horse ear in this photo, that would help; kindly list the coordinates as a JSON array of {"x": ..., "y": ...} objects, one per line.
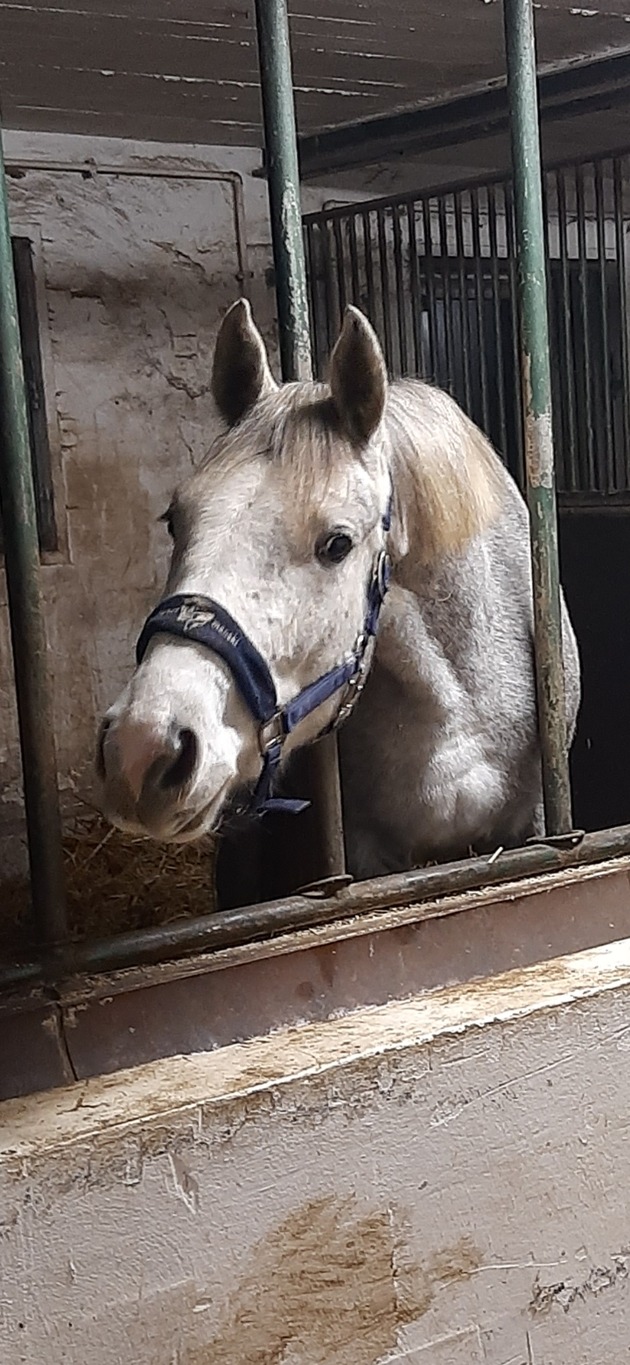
[
  {"x": 358, "y": 377},
  {"x": 240, "y": 370}
]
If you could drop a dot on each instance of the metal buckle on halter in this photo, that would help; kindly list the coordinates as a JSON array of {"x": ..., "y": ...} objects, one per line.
[
  {"x": 364, "y": 649},
  {"x": 271, "y": 734},
  {"x": 382, "y": 571},
  {"x": 365, "y": 662}
]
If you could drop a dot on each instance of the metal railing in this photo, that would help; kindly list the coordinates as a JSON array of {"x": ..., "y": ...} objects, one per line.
[{"x": 437, "y": 275}]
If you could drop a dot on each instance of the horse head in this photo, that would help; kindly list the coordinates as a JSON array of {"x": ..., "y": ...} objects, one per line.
[{"x": 276, "y": 579}]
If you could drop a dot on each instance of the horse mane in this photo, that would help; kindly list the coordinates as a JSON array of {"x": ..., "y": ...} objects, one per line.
[{"x": 446, "y": 476}]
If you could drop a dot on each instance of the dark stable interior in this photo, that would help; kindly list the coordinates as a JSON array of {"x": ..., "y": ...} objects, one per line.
[{"x": 595, "y": 556}]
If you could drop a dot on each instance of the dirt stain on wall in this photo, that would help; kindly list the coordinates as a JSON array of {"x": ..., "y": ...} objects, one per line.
[{"x": 330, "y": 1286}]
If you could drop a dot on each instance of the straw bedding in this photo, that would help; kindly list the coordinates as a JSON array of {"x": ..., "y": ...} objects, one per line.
[{"x": 116, "y": 882}]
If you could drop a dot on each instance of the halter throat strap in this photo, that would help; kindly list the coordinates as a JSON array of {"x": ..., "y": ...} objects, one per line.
[{"x": 202, "y": 621}]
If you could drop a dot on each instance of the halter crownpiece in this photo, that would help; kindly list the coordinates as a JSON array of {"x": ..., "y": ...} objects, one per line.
[{"x": 203, "y": 621}]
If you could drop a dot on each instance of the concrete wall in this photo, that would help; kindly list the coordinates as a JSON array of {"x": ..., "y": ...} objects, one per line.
[
  {"x": 439, "y": 1180},
  {"x": 134, "y": 275}
]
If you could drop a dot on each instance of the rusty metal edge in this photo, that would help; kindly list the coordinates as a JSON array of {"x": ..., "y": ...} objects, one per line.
[{"x": 78, "y": 988}]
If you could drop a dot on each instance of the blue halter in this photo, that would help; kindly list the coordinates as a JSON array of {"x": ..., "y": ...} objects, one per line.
[{"x": 204, "y": 622}]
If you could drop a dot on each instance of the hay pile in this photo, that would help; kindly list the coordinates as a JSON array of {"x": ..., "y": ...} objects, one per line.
[{"x": 116, "y": 882}]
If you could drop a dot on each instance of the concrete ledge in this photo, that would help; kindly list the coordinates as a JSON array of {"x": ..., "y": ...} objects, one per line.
[
  {"x": 436, "y": 1180},
  {"x": 177, "y": 1085}
]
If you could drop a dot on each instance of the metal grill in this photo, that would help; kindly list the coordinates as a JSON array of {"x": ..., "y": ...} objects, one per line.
[{"x": 436, "y": 275}]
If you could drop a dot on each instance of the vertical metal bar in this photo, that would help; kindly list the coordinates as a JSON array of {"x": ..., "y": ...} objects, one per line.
[
  {"x": 606, "y": 456},
  {"x": 276, "y": 83},
  {"x": 427, "y": 227},
  {"x": 341, "y": 266},
  {"x": 283, "y": 181},
  {"x": 28, "y": 631},
  {"x": 369, "y": 268},
  {"x": 570, "y": 437},
  {"x": 384, "y": 269},
  {"x": 463, "y": 299},
  {"x": 623, "y": 474},
  {"x": 416, "y": 310},
  {"x": 496, "y": 299},
  {"x": 354, "y": 259},
  {"x": 36, "y": 402},
  {"x": 591, "y": 475},
  {"x": 446, "y": 292},
  {"x": 519, "y": 464},
  {"x": 332, "y": 318},
  {"x": 475, "y": 214},
  {"x": 401, "y": 302},
  {"x": 556, "y": 387},
  {"x": 536, "y": 380}
]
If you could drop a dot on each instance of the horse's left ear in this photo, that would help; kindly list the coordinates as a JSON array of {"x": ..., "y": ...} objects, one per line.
[
  {"x": 240, "y": 371},
  {"x": 358, "y": 377}
]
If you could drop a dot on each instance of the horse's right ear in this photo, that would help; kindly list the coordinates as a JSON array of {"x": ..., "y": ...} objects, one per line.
[
  {"x": 240, "y": 370},
  {"x": 358, "y": 377}
]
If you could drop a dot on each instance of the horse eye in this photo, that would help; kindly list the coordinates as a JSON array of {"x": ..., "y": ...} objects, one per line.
[
  {"x": 335, "y": 548},
  {"x": 167, "y": 518}
]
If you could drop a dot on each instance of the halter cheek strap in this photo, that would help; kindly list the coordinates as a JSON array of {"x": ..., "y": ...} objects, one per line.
[{"x": 203, "y": 621}]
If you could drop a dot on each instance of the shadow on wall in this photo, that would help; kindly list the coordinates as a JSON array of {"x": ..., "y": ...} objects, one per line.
[{"x": 595, "y": 551}]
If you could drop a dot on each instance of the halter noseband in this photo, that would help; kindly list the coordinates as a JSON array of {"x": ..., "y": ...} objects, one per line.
[{"x": 204, "y": 622}]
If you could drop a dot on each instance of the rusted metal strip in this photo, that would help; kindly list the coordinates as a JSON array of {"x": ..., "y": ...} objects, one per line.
[
  {"x": 127, "y": 1018},
  {"x": 253, "y": 923}
]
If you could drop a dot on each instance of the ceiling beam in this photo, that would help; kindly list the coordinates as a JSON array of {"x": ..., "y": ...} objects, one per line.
[{"x": 577, "y": 89}]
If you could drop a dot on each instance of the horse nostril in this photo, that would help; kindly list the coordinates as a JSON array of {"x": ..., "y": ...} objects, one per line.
[{"x": 183, "y": 766}]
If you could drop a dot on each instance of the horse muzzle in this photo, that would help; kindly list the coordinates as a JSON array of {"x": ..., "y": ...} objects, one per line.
[{"x": 149, "y": 779}]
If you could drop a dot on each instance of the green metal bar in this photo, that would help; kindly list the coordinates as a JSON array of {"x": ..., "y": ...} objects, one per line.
[
  {"x": 620, "y": 168},
  {"x": 536, "y": 381},
  {"x": 283, "y": 179},
  {"x": 28, "y": 632}
]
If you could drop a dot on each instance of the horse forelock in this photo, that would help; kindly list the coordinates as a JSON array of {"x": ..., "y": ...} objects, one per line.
[
  {"x": 446, "y": 477},
  {"x": 295, "y": 427}
]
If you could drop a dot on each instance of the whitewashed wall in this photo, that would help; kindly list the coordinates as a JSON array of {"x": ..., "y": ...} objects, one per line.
[
  {"x": 134, "y": 276},
  {"x": 439, "y": 1181}
]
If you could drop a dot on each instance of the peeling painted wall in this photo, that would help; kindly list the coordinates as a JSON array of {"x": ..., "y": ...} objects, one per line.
[
  {"x": 134, "y": 275},
  {"x": 435, "y": 1181}
]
